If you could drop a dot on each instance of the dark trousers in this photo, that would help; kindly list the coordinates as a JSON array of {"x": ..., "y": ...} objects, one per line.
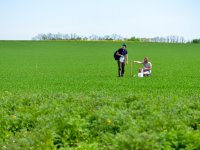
[{"x": 121, "y": 67}]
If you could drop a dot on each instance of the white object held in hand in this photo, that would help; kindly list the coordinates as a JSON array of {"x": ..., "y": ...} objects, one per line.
[
  {"x": 121, "y": 59},
  {"x": 140, "y": 74}
]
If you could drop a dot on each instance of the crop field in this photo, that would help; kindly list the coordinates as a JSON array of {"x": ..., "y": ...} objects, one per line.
[{"x": 66, "y": 95}]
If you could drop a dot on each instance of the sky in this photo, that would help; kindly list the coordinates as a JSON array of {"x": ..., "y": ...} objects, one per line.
[{"x": 24, "y": 19}]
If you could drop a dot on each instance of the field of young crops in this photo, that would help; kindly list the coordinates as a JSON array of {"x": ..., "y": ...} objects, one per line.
[{"x": 66, "y": 95}]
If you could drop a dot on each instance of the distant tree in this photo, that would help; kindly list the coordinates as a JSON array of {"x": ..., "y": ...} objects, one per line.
[
  {"x": 114, "y": 36},
  {"x": 168, "y": 39},
  {"x": 107, "y": 37},
  {"x": 43, "y": 36},
  {"x": 93, "y": 37},
  {"x": 66, "y": 37},
  {"x": 146, "y": 40},
  {"x": 134, "y": 39},
  {"x": 182, "y": 40},
  {"x": 85, "y": 38},
  {"x": 58, "y": 36},
  {"x": 196, "y": 41},
  {"x": 50, "y": 36}
]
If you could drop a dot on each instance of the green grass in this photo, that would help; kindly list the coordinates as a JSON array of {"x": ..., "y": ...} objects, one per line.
[{"x": 66, "y": 94}]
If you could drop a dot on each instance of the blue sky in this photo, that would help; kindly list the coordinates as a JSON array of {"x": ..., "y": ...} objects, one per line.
[{"x": 23, "y": 19}]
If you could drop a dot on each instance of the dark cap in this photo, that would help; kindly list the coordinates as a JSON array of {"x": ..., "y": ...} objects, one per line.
[{"x": 124, "y": 45}]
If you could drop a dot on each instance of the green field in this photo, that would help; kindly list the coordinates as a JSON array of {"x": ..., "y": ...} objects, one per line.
[{"x": 66, "y": 95}]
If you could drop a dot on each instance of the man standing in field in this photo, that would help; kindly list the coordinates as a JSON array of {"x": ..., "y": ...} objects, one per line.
[
  {"x": 146, "y": 70},
  {"x": 122, "y": 59}
]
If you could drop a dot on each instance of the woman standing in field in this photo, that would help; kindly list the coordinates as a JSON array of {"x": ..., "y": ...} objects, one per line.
[
  {"x": 122, "y": 59},
  {"x": 146, "y": 70}
]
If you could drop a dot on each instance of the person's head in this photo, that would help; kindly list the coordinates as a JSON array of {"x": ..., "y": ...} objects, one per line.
[
  {"x": 146, "y": 59},
  {"x": 124, "y": 46}
]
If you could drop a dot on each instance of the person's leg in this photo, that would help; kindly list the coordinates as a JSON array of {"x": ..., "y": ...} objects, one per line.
[
  {"x": 123, "y": 69},
  {"x": 146, "y": 73},
  {"x": 119, "y": 68}
]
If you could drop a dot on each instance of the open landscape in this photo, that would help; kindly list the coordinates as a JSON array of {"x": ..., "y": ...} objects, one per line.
[{"x": 66, "y": 95}]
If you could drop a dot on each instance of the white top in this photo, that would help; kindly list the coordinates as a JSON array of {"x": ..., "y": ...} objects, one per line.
[{"x": 147, "y": 65}]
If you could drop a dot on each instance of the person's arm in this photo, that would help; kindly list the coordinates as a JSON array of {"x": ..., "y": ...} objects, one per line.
[
  {"x": 138, "y": 62},
  {"x": 118, "y": 54},
  {"x": 147, "y": 69}
]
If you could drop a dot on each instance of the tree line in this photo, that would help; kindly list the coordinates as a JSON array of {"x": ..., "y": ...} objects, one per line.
[
  {"x": 113, "y": 37},
  {"x": 74, "y": 36}
]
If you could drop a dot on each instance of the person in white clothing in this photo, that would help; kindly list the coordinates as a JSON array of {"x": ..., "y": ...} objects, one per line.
[{"x": 146, "y": 70}]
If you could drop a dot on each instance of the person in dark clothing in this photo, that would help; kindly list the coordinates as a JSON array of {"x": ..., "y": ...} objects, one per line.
[{"x": 122, "y": 60}]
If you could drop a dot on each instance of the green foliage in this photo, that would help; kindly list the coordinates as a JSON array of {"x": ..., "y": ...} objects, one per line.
[
  {"x": 196, "y": 41},
  {"x": 66, "y": 95},
  {"x": 133, "y": 39}
]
